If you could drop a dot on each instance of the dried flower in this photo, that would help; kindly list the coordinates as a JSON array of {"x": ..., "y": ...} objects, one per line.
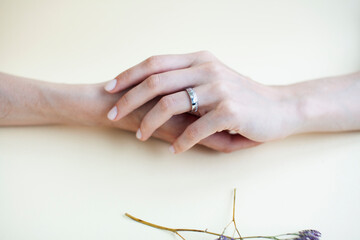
[
  {"x": 302, "y": 235},
  {"x": 224, "y": 238},
  {"x": 309, "y": 235}
]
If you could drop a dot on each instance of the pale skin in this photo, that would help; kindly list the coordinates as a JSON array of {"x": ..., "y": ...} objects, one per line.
[
  {"x": 25, "y": 101},
  {"x": 149, "y": 98},
  {"x": 229, "y": 101}
]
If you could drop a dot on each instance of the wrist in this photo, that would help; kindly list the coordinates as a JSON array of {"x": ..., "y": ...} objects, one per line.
[
  {"x": 306, "y": 111},
  {"x": 88, "y": 104},
  {"x": 81, "y": 104},
  {"x": 293, "y": 110}
]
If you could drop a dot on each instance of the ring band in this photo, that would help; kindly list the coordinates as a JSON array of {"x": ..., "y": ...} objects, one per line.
[{"x": 193, "y": 99}]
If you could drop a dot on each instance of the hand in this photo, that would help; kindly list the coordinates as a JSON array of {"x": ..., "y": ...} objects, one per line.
[
  {"x": 31, "y": 102},
  {"x": 100, "y": 102},
  {"x": 227, "y": 100}
]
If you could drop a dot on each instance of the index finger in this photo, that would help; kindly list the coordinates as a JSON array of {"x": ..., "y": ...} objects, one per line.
[{"x": 148, "y": 67}]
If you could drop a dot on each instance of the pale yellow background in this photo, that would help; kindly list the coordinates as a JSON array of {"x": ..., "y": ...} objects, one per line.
[{"x": 76, "y": 182}]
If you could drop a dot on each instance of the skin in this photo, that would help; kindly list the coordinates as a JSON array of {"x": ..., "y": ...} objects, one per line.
[
  {"x": 149, "y": 98},
  {"x": 27, "y": 101},
  {"x": 231, "y": 102}
]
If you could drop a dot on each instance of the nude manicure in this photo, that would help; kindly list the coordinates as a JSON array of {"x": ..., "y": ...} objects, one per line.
[
  {"x": 112, "y": 113},
  {"x": 172, "y": 149},
  {"x": 138, "y": 134},
  {"x": 110, "y": 85}
]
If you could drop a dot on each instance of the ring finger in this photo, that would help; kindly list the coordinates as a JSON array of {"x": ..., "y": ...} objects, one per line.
[
  {"x": 156, "y": 85},
  {"x": 171, "y": 105}
]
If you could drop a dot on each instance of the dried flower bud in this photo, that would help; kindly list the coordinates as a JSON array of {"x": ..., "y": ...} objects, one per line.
[
  {"x": 309, "y": 235},
  {"x": 224, "y": 238}
]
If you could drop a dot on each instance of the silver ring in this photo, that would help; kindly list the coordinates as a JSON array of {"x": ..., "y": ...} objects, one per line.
[{"x": 193, "y": 99}]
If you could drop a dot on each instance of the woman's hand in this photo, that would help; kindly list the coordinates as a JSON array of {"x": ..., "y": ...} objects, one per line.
[
  {"x": 227, "y": 100},
  {"x": 31, "y": 102},
  {"x": 100, "y": 102}
]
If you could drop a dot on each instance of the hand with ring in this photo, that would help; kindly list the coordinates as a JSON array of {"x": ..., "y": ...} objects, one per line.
[{"x": 226, "y": 100}]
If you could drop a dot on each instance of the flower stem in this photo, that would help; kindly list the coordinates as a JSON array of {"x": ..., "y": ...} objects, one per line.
[
  {"x": 150, "y": 224},
  {"x": 176, "y": 230},
  {"x": 233, "y": 219}
]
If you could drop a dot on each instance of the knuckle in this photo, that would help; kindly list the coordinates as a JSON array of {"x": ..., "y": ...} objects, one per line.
[
  {"x": 205, "y": 54},
  {"x": 152, "y": 62},
  {"x": 227, "y": 108},
  {"x": 153, "y": 82},
  {"x": 166, "y": 103},
  {"x": 221, "y": 88},
  {"x": 213, "y": 69},
  {"x": 191, "y": 133},
  {"x": 125, "y": 100}
]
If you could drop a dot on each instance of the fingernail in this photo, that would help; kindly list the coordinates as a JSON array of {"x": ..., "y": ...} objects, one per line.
[
  {"x": 138, "y": 134},
  {"x": 112, "y": 113},
  {"x": 172, "y": 149},
  {"x": 110, "y": 85}
]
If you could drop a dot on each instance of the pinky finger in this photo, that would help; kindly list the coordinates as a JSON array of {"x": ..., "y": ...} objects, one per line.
[
  {"x": 225, "y": 142},
  {"x": 195, "y": 132}
]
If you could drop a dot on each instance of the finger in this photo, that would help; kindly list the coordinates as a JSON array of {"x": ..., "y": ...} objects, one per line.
[
  {"x": 171, "y": 105},
  {"x": 150, "y": 66},
  {"x": 205, "y": 126},
  {"x": 155, "y": 85},
  {"x": 220, "y": 141},
  {"x": 225, "y": 142}
]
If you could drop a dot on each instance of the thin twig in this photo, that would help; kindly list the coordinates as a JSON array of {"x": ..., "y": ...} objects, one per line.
[
  {"x": 226, "y": 227},
  {"x": 150, "y": 224},
  {"x": 180, "y": 236},
  {"x": 176, "y": 230},
  {"x": 234, "y": 214}
]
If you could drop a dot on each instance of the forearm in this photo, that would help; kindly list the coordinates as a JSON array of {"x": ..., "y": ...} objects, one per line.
[
  {"x": 23, "y": 101},
  {"x": 30, "y": 102},
  {"x": 326, "y": 105},
  {"x": 323, "y": 105}
]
